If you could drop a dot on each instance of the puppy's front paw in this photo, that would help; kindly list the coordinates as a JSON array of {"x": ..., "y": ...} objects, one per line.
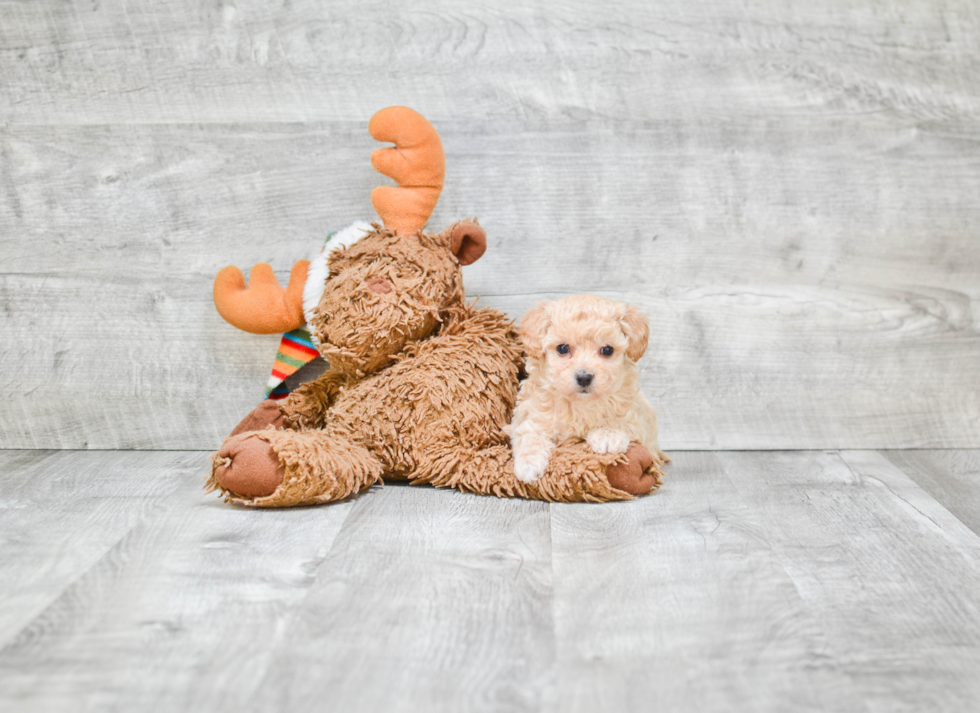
[
  {"x": 607, "y": 440},
  {"x": 528, "y": 468}
]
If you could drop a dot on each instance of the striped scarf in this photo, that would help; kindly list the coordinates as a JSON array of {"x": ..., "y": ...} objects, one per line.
[{"x": 296, "y": 350}]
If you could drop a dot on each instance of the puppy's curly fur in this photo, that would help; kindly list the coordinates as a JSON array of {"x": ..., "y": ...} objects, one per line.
[{"x": 582, "y": 382}]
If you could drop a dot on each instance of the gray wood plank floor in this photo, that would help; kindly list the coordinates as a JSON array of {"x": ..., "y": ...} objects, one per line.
[{"x": 768, "y": 581}]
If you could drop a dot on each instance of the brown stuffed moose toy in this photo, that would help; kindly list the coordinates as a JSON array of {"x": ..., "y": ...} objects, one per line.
[{"x": 420, "y": 383}]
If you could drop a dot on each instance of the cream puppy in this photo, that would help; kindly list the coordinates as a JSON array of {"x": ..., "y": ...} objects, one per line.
[{"x": 582, "y": 382}]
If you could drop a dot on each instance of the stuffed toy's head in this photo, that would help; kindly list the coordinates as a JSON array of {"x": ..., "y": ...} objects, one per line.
[{"x": 387, "y": 289}]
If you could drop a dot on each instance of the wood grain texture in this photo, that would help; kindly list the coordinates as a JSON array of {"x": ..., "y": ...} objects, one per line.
[
  {"x": 677, "y": 602},
  {"x": 190, "y": 61},
  {"x": 63, "y": 512},
  {"x": 180, "y": 611},
  {"x": 892, "y": 577},
  {"x": 429, "y": 600},
  {"x": 812, "y": 340},
  {"x": 951, "y": 477},
  {"x": 789, "y": 191},
  {"x": 764, "y": 581},
  {"x": 782, "y": 581}
]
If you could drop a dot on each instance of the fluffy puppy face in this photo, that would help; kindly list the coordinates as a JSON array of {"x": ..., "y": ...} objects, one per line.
[{"x": 582, "y": 346}]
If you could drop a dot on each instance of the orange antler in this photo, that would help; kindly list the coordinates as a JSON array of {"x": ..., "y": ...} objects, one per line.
[
  {"x": 416, "y": 161},
  {"x": 263, "y": 307}
]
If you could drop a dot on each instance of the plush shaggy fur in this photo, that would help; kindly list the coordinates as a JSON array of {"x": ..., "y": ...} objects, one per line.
[
  {"x": 420, "y": 387},
  {"x": 582, "y": 382}
]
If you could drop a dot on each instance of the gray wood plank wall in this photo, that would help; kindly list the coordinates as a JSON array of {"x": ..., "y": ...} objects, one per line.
[{"x": 791, "y": 191}]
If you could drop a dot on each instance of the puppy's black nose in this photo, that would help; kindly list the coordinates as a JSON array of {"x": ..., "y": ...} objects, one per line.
[{"x": 583, "y": 378}]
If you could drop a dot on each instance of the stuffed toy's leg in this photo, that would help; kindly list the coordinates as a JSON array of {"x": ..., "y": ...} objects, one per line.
[
  {"x": 276, "y": 468},
  {"x": 281, "y": 468},
  {"x": 306, "y": 407},
  {"x": 639, "y": 472},
  {"x": 262, "y": 416},
  {"x": 575, "y": 473}
]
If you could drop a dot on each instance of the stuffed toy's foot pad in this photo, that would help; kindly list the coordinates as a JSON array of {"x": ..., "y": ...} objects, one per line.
[
  {"x": 261, "y": 417},
  {"x": 634, "y": 475},
  {"x": 248, "y": 466}
]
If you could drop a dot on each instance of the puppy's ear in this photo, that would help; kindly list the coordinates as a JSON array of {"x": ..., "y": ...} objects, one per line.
[
  {"x": 637, "y": 330},
  {"x": 534, "y": 328}
]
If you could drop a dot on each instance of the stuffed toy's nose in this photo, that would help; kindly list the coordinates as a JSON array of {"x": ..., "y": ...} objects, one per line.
[{"x": 379, "y": 285}]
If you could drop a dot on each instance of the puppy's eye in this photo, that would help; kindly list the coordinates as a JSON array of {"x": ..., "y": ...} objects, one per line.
[
  {"x": 562, "y": 349},
  {"x": 606, "y": 351}
]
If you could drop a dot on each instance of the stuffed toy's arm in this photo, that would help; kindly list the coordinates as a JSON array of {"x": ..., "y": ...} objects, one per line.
[{"x": 307, "y": 406}]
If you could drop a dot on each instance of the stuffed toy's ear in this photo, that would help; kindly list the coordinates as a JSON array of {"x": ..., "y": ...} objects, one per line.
[
  {"x": 468, "y": 241},
  {"x": 637, "y": 330},
  {"x": 534, "y": 328}
]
